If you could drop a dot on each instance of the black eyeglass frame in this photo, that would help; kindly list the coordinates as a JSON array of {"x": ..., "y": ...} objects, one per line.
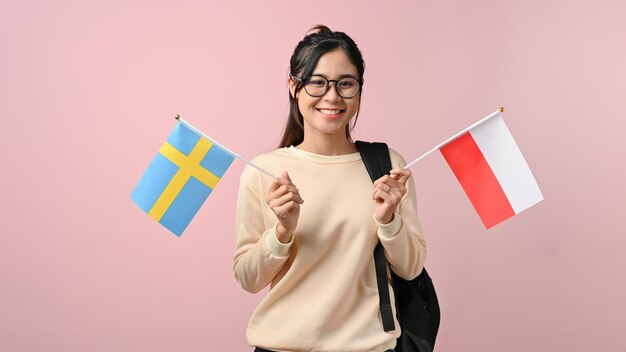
[{"x": 303, "y": 80}]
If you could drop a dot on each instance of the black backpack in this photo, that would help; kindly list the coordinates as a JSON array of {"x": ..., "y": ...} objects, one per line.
[{"x": 417, "y": 306}]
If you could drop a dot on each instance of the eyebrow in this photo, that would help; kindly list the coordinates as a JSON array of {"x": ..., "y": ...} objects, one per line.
[{"x": 340, "y": 76}]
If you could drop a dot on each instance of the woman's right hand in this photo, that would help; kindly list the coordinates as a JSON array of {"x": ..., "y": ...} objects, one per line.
[{"x": 284, "y": 199}]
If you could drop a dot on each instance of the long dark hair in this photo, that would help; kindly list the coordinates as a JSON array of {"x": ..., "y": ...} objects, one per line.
[{"x": 302, "y": 63}]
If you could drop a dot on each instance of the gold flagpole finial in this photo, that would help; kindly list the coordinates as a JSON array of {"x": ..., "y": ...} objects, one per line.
[
  {"x": 178, "y": 116},
  {"x": 501, "y": 109}
]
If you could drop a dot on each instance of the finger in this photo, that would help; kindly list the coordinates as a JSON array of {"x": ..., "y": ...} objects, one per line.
[
  {"x": 389, "y": 185},
  {"x": 397, "y": 187},
  {"x": 383, "y": 179},
  {"x": 382, "y": 187},
  {"x": 277, "y": 183},
  {"x": 400, "y": 171},
  {"x": 276, "y": 203},
  {"x": 284, "y": 209},
  {"x": 390, "y": 180},
  {"x": 289, "y": 197},
  {"x": 401, "y": 175},
  {"x": 282, "y": 190},
  {"x": 382, "y": 195},
  {"x": 284, "y": 181},
  {"x": 394, "y": 183},
  {"x": 404, "y": 179},
  {"x": 274, "y": 186},
  {"x": 393, "y": 196}
]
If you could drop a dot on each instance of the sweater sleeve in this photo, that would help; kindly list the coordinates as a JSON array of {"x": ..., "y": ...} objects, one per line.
[
  {"x": 402, "y": 239},
  {"x": 259, "y": 255}
]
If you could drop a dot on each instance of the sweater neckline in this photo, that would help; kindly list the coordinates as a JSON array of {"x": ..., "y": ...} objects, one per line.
[{"x": 324, "y": 159}]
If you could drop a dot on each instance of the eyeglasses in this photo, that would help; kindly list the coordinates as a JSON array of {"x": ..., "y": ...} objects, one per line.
[{"x": 316, "y": 86}]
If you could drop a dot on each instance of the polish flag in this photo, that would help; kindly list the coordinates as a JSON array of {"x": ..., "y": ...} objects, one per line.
[{"x": 492, "y": 171}]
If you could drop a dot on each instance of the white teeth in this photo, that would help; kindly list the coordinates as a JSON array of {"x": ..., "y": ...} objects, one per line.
[{"x": 329, "y": 112}]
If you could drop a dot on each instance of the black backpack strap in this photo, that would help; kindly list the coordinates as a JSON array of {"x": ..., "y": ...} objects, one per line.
[{"x": 378, "y": 163}]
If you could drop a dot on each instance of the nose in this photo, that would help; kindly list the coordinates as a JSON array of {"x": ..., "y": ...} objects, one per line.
[{"x": 332, "y": 94}]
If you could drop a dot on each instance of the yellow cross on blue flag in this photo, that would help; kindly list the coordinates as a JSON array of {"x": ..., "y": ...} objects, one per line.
[{"x": 180, "y": 178}]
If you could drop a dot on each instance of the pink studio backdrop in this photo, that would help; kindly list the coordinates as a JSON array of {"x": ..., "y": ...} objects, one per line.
[{"x": 88, "y": 91}]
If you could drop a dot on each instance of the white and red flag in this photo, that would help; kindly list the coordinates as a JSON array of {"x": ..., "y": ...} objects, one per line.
[{"x": 492, "y": 170}]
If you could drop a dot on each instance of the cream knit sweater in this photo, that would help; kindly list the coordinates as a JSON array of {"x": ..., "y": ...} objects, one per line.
[{"x": 323, "y": 294}]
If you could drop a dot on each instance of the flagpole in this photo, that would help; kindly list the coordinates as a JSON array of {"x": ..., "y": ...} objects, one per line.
[
  {"x": 454, "y": 137},
  {"x": 177, "y": 117}
]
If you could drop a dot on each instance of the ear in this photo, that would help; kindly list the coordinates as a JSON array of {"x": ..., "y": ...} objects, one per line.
[{"x": 292, "y": 85}]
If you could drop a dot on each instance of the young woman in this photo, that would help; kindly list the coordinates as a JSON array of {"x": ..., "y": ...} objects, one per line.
[{"x": 310, "y": 234}]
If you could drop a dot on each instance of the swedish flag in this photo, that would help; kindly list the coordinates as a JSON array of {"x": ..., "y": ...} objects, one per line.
[{"x": 180, "y": 178}]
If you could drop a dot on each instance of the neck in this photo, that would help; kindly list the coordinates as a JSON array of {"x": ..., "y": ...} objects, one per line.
[{"x": 334, "y": 144}]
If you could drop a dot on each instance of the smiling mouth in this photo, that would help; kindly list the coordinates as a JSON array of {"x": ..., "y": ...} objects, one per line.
[{"x": 330, "y": 112}]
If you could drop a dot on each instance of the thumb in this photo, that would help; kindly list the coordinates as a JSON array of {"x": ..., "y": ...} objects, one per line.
[{"x": 286, "y": 176}]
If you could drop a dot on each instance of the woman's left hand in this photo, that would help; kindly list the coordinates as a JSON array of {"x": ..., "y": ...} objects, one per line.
[{"x": 388, "y": 191}]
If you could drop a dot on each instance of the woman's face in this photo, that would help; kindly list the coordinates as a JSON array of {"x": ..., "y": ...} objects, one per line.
[{"x": 330, "y": 113}]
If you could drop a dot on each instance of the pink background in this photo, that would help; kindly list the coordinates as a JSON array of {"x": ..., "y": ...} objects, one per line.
[{"x": 88, "y": 91}]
